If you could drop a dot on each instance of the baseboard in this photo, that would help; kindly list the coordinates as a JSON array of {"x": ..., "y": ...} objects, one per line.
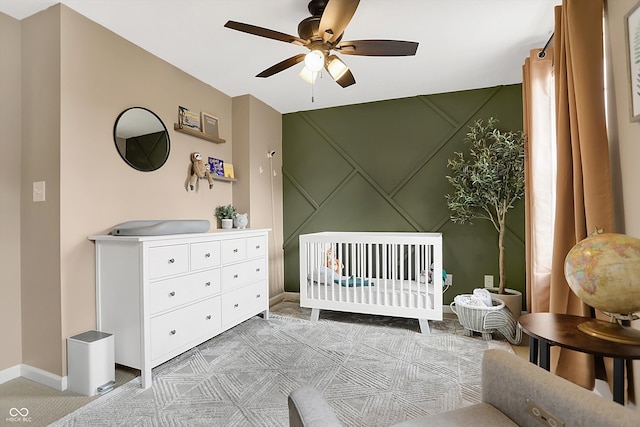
[
  {"x": 34, "y": 374},
  {"x": 291, "y": 296},
  {"x": 275, "y": 299},
  {"x": 284, "y": 296},
  {"x": 9, "y": 374}
]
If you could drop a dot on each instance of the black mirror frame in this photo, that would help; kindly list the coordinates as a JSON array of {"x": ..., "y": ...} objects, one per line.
[{"x": 123, "y": 157}]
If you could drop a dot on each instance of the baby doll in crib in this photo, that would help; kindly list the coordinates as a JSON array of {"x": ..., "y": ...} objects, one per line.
[{"x": 333, "y": 263}]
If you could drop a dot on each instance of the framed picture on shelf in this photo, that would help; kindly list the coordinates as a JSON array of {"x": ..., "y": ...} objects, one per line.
[
  {"x": 210, "y": 125},
  {"x": 632, "y": 29},
  {"x": 228, "y": 171},
  {"x": 187, "y": 118},
  {"x": 216, "y": 166}
]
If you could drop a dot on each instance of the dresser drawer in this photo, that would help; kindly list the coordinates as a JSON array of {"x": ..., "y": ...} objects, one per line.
[
  {"x": 256, "y": 246},
  {"x": 242, "y": 302},
  {"x": 205, "y": 255},
  {"x": 171, "y": 331},
  {"x": 234, "y": 250},
  {"x": 168, "y": 260},
  {"x": 236, "y": 275},
  {"x": 170, "y": 293}
]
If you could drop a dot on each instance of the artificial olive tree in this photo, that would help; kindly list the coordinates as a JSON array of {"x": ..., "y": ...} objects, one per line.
[{"x": 488, "y": 179}]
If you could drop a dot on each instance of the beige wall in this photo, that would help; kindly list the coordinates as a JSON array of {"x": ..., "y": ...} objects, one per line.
[
  {"x": 10, "y": 134},
  {"x": 99, "y": 189},
  {"x": 261, "y": 194},
  {"x": 77, "y": 77},
  {"x": 40, "y": 230},
  {"x": 625, "y": 135}
]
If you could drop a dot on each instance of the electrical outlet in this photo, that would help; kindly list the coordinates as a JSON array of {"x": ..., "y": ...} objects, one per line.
[
  {"x": 449, "y": 280},
  {"x": 488, "y": 281}
]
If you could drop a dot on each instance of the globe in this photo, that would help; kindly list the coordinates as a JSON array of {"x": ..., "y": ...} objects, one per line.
[{"x": 603, "y": 270}]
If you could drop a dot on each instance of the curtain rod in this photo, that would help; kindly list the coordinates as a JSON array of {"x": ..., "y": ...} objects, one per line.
[{"x": 542, "y": 53}]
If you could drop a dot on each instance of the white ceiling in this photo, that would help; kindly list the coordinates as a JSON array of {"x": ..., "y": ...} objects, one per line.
[{"x": 464, "y": 44}]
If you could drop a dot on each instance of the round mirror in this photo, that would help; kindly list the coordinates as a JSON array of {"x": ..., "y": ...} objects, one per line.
[{"x": 141, "y": 139}]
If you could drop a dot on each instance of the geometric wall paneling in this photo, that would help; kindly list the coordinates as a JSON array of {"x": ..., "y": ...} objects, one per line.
[
  {"x": 304, "y": 205},
  {"x": 382, "y": 166},
  {"x": 312, "y": 157}
]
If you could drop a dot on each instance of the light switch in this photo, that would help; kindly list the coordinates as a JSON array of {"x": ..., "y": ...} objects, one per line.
[{"x": 38, "y": 191}]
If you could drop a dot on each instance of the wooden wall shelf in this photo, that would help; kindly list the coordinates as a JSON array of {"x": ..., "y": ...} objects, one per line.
[
  {"x": 198, "y": 134},
  {"x": 223, "y": 178}
]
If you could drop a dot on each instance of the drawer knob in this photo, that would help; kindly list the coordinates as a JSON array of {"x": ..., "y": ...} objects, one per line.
[
  {"x": 235, "y": 276},
  {"x": 208, "y": 284},
  {"x": 235, "y": 251},
  {"x": 209, "y": 317},
  {"x": 207, "y": 255},
  {"x": 257, "y": 246},
  {"x": 258, "y": 270},
  {"x": 235, "y": 305},
  {"x": 171, "y": 260},
  {"x": 172, "y": 332},
  {"x": 172, "y": 293},
  {"x": 258, "y": 296}
]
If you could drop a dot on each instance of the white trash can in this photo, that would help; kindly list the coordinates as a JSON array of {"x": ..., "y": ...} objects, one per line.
[{"x": 91, "y": 365}]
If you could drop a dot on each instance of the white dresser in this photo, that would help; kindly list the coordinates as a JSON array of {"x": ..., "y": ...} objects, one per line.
[{"x": 162, "y": 295}]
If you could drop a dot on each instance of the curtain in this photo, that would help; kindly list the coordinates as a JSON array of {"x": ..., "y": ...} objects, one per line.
[
  {"x": 583, "y": 200},
  {"x": 540, "y": 174}
]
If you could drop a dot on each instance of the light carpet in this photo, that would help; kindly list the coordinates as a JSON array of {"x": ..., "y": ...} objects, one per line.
[{"x": 374, "y": 371}]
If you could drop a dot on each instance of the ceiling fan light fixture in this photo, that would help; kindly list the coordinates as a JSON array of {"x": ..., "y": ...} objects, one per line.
[
  {"x": 308, "y": 76},
  {"x": 336, "y": 67},
  {"x": 314, "y": 60}
]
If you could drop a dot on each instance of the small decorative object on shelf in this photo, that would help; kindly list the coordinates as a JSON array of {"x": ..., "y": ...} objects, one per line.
[
  {"x": 187, "y": 118},
  {"x": 216, "y": 166},
  {"x": 228, "y": 171},
  {"x": 199, "y": 170},
  {"x": 226, "y": 214},
  {"x": 210, "y": 124},
  {"x": 240, "y": 221}
]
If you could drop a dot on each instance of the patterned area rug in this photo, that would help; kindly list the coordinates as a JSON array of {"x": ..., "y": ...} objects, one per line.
[{"x": 374, "y": 371}]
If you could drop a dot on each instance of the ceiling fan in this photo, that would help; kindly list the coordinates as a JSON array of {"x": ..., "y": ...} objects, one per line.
[{"x": 322, "y": 33}]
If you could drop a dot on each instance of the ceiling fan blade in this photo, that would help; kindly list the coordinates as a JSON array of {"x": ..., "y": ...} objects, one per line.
[
  {"x": 283, "y": 65},
  {"x": 266, "y": 33},
  {"x": 377, "y": 48},
  {"x": 335, "y": 18},
  {"x": 346, "y": 79}
]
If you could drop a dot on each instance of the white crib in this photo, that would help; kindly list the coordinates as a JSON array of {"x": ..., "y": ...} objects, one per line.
[{"x": 382, "y": 273}]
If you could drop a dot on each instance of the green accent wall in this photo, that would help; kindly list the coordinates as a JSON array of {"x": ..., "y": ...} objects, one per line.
[{"x": 382, "y": 166}]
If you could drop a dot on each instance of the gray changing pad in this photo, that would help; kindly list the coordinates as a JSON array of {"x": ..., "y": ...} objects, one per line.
[{"x": 161, "y": 228}]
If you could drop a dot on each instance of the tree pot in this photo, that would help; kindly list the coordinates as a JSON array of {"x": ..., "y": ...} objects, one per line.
[
  {"x": 227, "y": 223},
  {"x": 511, "y": 298}
]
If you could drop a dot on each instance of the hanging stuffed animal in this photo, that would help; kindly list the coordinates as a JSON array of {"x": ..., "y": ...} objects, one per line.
[{"x": 199, "y": 170}]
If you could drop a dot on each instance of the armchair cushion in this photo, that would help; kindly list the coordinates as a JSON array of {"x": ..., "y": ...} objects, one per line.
[{"x": 512, "y": 390}]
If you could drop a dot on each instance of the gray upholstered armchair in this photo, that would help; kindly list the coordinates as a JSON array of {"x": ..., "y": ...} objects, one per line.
[{"x": 513, "y": 390}]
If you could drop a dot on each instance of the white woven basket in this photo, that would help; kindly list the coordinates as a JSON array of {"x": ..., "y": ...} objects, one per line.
[{"x": 472, "y": 316}]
